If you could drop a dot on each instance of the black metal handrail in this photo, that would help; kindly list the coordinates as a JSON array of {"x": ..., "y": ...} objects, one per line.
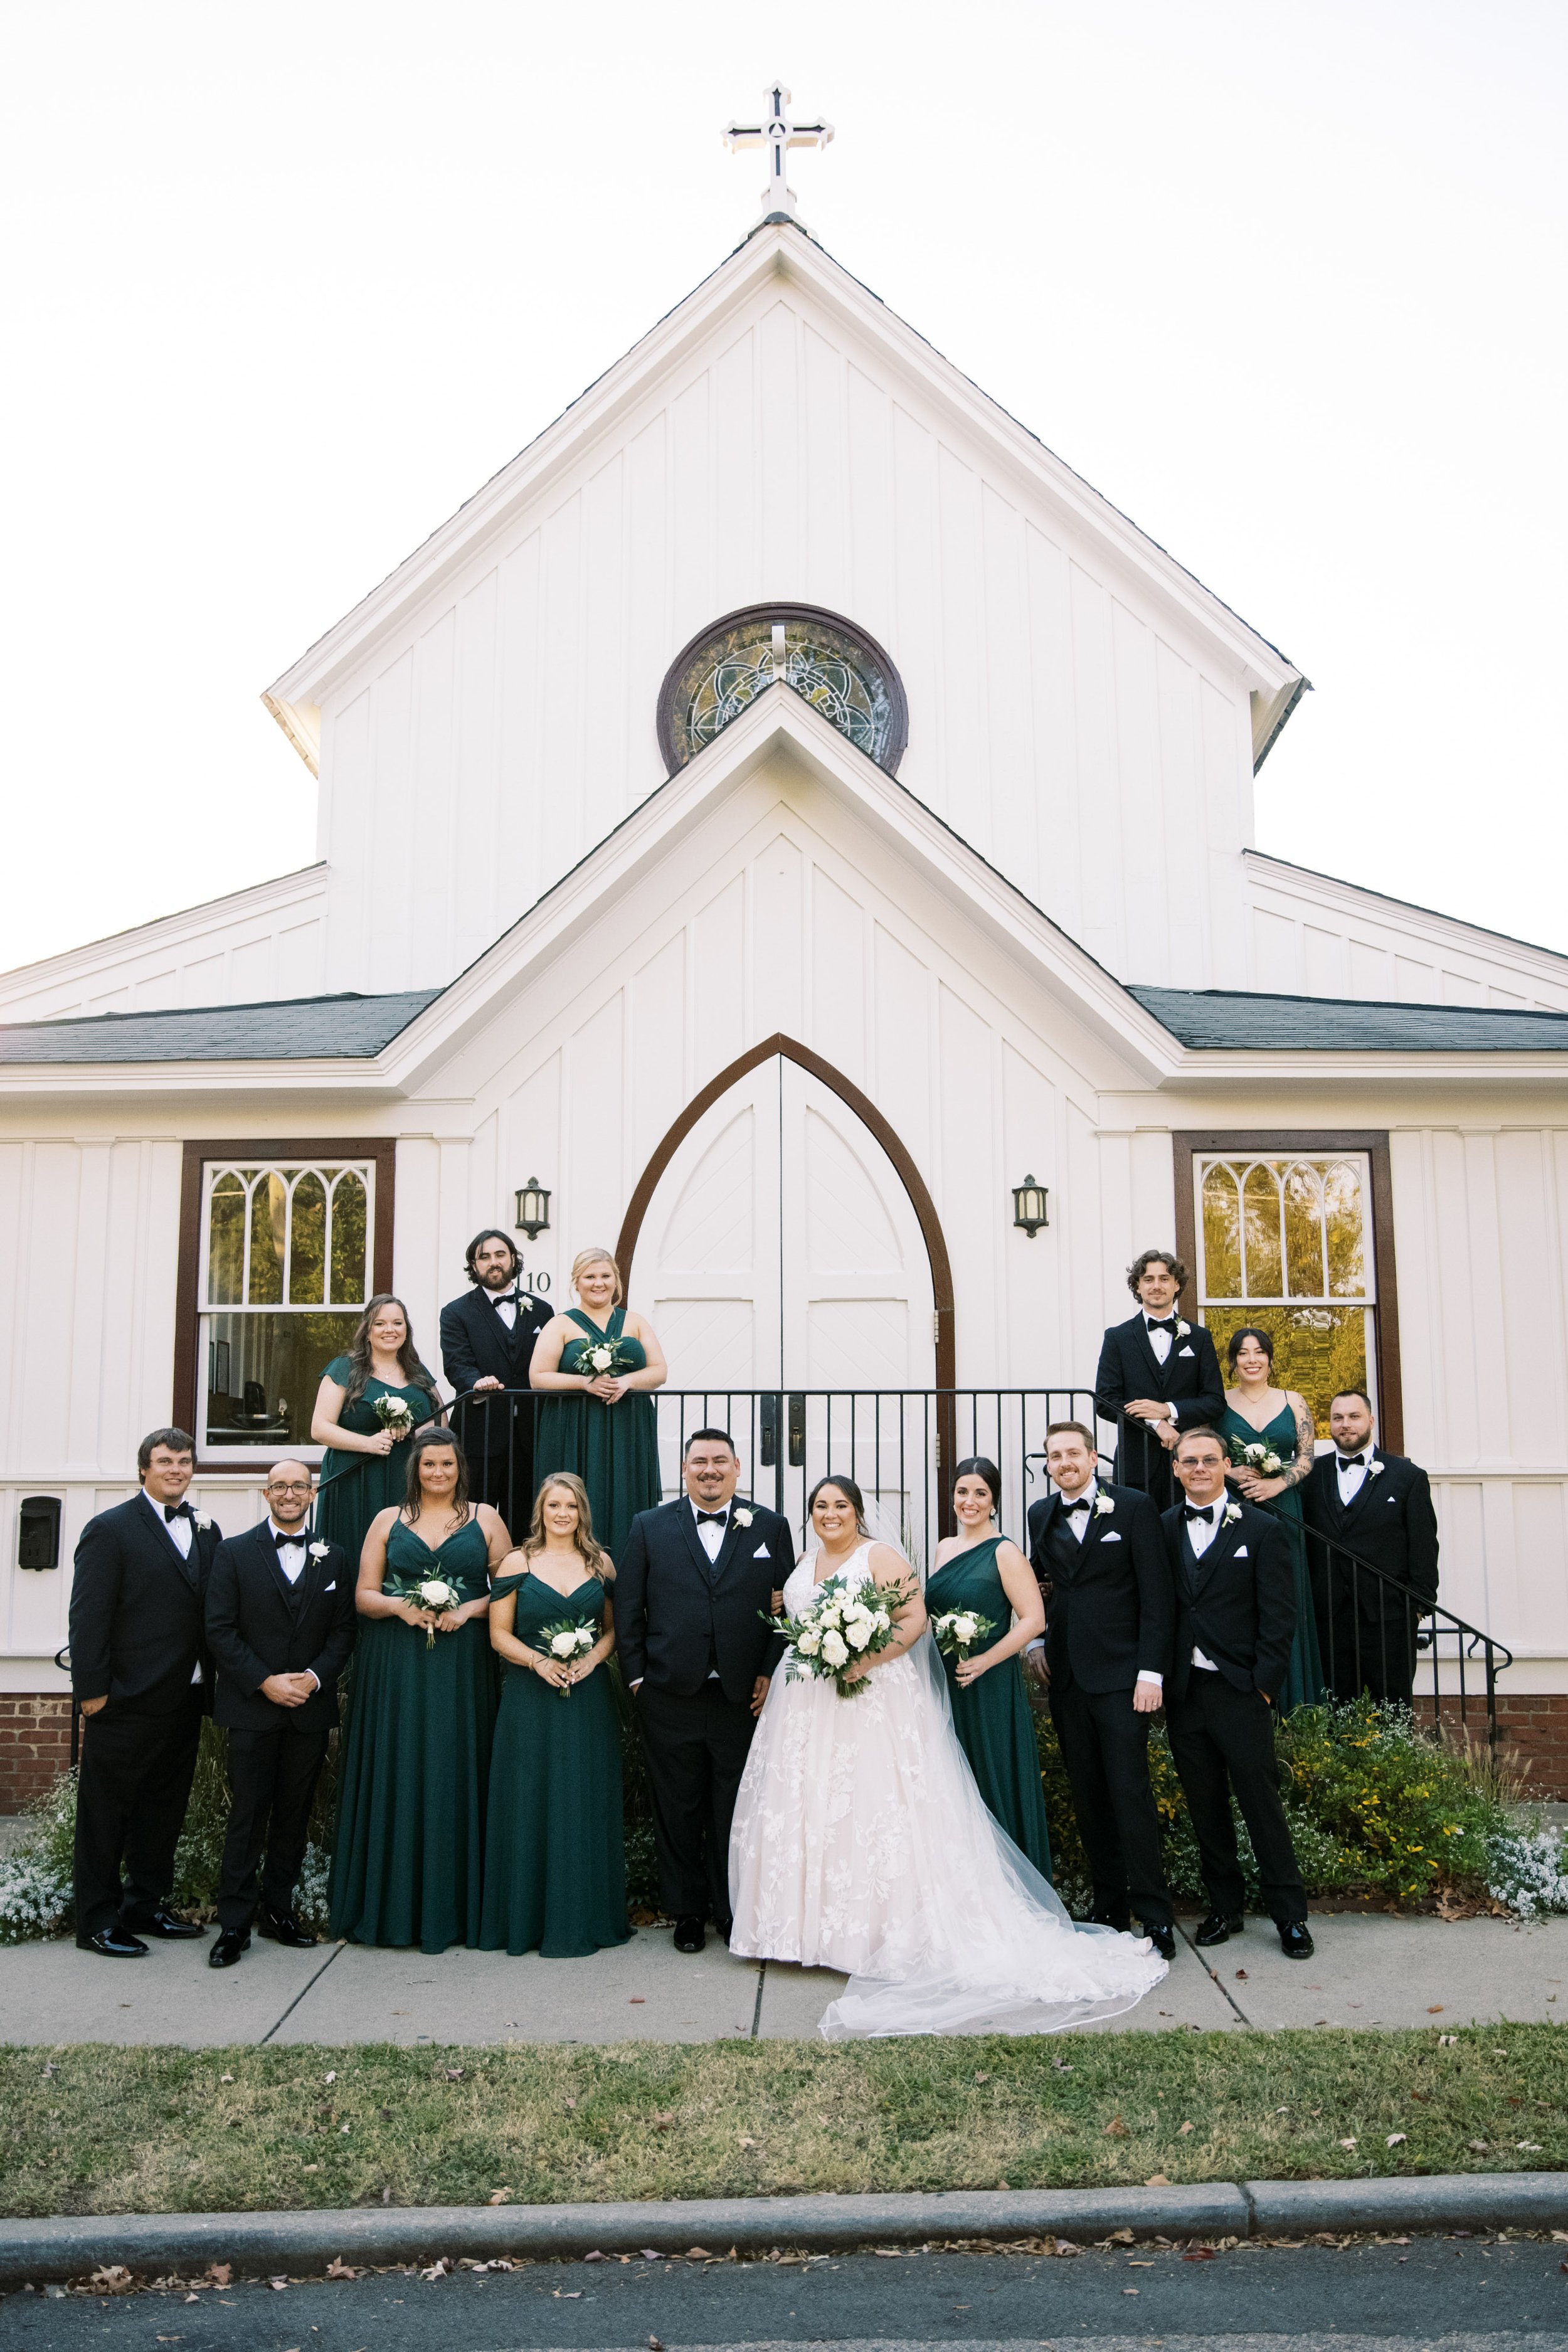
[{"x": 902, "y": 1447}]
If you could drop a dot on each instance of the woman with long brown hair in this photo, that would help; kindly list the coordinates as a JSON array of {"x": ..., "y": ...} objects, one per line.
[
  {"x": 368, "y": 1406},
  {"x": 407, "y": 1864},
  {"x": 598, "y": 1364},
  {"x": 555, "y": 1866}
]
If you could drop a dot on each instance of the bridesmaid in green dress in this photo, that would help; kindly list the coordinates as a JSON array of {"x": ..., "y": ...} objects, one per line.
[
  {"x": 556, "y": 1863},
  {"x": 365, "y": 1467},
  {"x": 600, "y": 1426},
  {"x": 1255, "y": 1414},
  {"x": 414, "y": 1763},
  {"x": 980, "y": 1570}
]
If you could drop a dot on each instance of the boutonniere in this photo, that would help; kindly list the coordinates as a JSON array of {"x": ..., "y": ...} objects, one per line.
[
  {"x": 1373, "y": 1470},
  {"x": 201, "y": 1520},
  {"x": 1184, "y": 1330},
  {"x": 1104, "y": 1506},
  {"x": 1232, "y": 1514},
  {"x": 743, "y": 1518},
  {"x": 319, "y": 1550}
]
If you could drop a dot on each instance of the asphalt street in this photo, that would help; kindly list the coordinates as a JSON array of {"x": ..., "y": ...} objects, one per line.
[{"x": 1448, "y": 2293}]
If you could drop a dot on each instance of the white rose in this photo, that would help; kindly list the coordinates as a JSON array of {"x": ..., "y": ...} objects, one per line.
[
  {"x": 856, "y": 1612},
  {"x": 201, "y": 1519},
  {"x": 964, "y": 1628},
  {"x": 857, "y": 1634},
  {"x": 319, "y": 1550},
  {"x": 563, "y": 1643},
  {"x": 1103, "y": 1506},
  {"x": 1182, "y": 1329},
  {"x": 882, "y": 1621},
  {"x": 835, "y": 1650},
  {"x": 743, "y": 1518},
  {"x": 808, "y": 1644}
]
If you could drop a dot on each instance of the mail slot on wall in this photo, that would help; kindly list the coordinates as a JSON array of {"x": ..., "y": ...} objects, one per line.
[{"x": 38, "y": 1533}]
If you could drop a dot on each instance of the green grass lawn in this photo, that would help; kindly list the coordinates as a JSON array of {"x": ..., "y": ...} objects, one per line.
[{"x": 96, "y": 2129}]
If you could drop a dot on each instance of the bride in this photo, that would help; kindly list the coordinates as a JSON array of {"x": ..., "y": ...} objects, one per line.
[{"x": 861, "y": 1842}]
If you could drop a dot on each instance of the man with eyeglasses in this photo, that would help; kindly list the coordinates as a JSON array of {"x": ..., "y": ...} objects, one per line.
[{"x": 281, "y": 1625}]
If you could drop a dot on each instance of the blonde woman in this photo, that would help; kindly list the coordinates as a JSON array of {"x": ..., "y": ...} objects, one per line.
[
  {"x": 555, "y": 1871},
  {"x": 598, "y": 1417}
]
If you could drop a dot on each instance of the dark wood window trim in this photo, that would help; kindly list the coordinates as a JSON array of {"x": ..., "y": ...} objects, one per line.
[
  {"x": 1374, "y": 1141},
  {"x": 249, "y": 1150},
  {"x": 865, "y": 1111}
]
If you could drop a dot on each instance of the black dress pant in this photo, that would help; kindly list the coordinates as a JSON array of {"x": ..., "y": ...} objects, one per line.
[
  {"x": 1105, "y": 1746},
  {"x": 1223, "y": 1739},
  {"x": 272, "y": 1777},
  {"x": 1367, "y": 1654},
  {"x": 695, "y": 1748},
  {"x": 133, "y": 1789}
]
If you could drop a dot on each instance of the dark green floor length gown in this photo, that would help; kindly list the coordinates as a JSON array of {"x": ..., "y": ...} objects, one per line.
[
  {"x": 1304, "y": 1682},
  {"x": 555, "y": 1864},
  {"x": 407, "y": 1864},
  {"x": 613, "y": 1448},
  {"x": 354, "y": 1487},
  {"x": 992, "y": 1717}
]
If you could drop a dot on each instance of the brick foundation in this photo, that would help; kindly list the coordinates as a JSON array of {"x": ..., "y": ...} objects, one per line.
[{"x": 35, "y": 1746}]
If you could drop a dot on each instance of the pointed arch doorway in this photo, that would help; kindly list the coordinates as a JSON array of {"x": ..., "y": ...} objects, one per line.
[{"x": 782, "y": 1237}]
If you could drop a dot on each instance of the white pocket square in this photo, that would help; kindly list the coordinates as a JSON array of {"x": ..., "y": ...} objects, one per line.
[
  {"x": 1183, "y": 1352},
  {"x": 761, "y": 1552},
  {"x": 330, "y": 1588},
  {"x": 1109, "y": 1535},
  {"x": 1240, "y": 1552}
]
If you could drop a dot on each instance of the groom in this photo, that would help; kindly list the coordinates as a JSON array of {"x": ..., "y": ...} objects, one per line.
[{"x": 692, "y": 1587}]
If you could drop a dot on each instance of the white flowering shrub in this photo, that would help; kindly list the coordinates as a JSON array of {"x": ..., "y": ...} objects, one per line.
[{"x": 1528, "y": 1870}]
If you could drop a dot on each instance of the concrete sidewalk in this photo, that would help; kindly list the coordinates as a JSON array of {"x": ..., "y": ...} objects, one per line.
[{"x": 1368, "y": 1970}]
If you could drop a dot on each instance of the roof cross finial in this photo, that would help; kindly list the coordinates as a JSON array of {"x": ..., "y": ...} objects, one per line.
[{"x": 778, "y": 133}]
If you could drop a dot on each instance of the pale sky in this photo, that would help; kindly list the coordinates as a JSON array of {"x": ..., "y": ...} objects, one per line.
[{"x": 284, "y": 284}]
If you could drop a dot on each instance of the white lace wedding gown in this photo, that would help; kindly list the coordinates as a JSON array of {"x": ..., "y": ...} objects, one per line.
[{"x": 861, "y": 1842}]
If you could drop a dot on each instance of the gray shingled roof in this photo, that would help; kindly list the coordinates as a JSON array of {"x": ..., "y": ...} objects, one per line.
[
  {"x": 1234, "y": 1020},
  {"x": 295, "y": 1029}
]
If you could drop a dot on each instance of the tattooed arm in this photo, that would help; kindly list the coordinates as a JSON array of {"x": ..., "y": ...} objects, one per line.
[{"x": 1301, "y": 1470}]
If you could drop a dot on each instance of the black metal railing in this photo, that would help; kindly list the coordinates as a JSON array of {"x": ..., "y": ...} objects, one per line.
[{"x": 902, "y": 1447}]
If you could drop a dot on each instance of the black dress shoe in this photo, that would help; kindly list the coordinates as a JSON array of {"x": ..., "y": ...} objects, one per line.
[
  {"x": 113, "y": 1944},
  {"x": 1120, "y": 1920},
  {"x": 1218, "y": 1928},
  {"x": 1294, "y": 1941},
  {"x": 165, "y": 1927},
  {"x": 228, "y": 1948},
  {"x": 723, "y": 1929},
  {"x": 689, "y": 1934},
  {"x": 1162, "y": 1938},
  {"x": 282, "y": 1930}
]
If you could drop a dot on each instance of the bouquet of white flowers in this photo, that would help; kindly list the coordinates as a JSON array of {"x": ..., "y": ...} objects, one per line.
[
  {"x": 434, "y": 1595},
  {"x": 839, "y": 1626},
  {"x": 1257, "y": 1456},
  {"x": 570, "y": 1639},
  {"x": 959, "y": 1631},
  {"x": 394, "y": 1413},
  {"x": 602, "y": 1357}
]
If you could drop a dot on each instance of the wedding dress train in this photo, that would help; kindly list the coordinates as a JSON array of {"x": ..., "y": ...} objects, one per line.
[{"x": 861, "y": 1842}]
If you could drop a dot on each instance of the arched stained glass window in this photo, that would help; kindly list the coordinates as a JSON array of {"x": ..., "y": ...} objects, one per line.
[{"x": 825, "y": 659}]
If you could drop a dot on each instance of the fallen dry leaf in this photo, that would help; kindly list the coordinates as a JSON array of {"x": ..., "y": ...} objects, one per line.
[
  {"x": 1157, "y": 2180},
  {"x": 1241, "y": 1972},
  {"x": 1434, "y": 2009},
  {"x": 337, "y": 2268},
  {"x": 112, "y": 2278},
  {"x": 1198, "y": 2254},
  {"x": 983, "y": 2078},
  {"x": 498, "y": 2196},
  {"x": 219, "y": 2273},
  {"x": 1116, "y": 2128},
  {"x": 1395, "y": 2139},
  {"x": 746, "y": 2141}
]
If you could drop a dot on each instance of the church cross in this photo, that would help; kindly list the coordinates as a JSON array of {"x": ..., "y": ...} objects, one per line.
[{"x": 778, "y": 133}]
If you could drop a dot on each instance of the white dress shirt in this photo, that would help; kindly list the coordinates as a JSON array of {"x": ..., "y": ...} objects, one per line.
[
  {"x": 292, "y": 1553},
  {"x": 1201, "y": 1533},
  {"x": 1162, "y": 1342},
  {"x": 711, "y": 1533},
  {"x": 507, "y": 1309},
  {"x": 1077, "y": 1523},
  {"x": 1353, "y": 1480},
  {"x": 181, "y": 1531}
]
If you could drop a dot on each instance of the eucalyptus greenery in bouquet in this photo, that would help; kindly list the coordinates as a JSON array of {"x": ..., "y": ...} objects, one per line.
[
  {"x": 841, "y": 1625},
  {"x": 432, "y": 1593},
  {"x": 1256, "y": 1456},
  {"x": 395, "y": 1415},
  {"x": 603, "y": 1358},
  {"x": 569, "y": 1638},
  {"x": 957, "y": 1631}
]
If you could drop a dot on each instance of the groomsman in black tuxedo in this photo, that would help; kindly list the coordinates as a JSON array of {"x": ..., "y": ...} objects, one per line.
[
  {"x": 487, "y": 1343},
  {"x": 139, "y": 1666},
  {"x": 1236, "y": 1614},
  {"x": 1378, "y": 1506},
  {"x": 693, "y": 1584},
  {"x": 280, "y": 1627},
  {"x": 1158, "y": 1375},
  {"x": 1098, "y": 1554}
]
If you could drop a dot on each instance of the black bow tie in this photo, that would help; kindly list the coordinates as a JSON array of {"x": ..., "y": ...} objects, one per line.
[
  {"x": 1079, "y": 1503},
  {"x": 1198, "y": 1511},
  {"x": 1169, "y": 1325},
  {"x": 178, "y": 1511},
  {"x": 1352, "y": 1461},
  {"x": 282, "y": 1540},
  {"x": 506, "y": 1298},
  {"x": 718, "y": 1518}
]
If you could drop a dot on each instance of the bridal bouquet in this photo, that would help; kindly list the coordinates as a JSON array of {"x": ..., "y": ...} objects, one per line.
[
  {"x": 570, "y": 1639},
  {"x": 602, "y": 1357},
  {"x": 959, "y": 1631},
  {"x": 394, "y": 1413},
  {"x": 1258, "y": 1456},
  {"x": 433, "y": 1594},
  {"x": 838, "y": 1627}
]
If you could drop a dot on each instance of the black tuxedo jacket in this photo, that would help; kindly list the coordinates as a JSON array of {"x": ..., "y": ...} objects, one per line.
[
  {"x": 1238, "y": 1603},
  {"x": 1189, "y": 1379},
  {"x": 1111, "y": 1608},
  {"x": 476, "y": 1346},
  {"x": 676, "y": 1614},
  {"x": 1390, "y": 1522},
  {"x": 259, "y": 1625},
  {"x": 136, "y": 1632}
]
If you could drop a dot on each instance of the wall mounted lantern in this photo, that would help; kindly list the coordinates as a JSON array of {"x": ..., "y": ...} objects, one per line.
[
  {"x": 533, "y": 1209},
  {"x": 1029, "y": 1201}
]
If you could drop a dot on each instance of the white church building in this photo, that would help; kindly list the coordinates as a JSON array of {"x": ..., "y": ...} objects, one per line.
[{"x": 781, "y": 813}]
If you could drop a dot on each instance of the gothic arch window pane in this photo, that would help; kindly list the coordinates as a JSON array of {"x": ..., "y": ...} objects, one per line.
[
  {"x": 268, "y": 1239},
  {"x": 1303, "y": 1230},
  {"x": 349, "y": 1232},
  {"x": 307, "y": 1241},
  {"x": 226, "y": 1241},
  {"x": 1261, "y": 1204},
  {"x": 1222, "y": 1234},
  {"x": 1346, "y": 1230},
  {"x": 825, "y": 659}
]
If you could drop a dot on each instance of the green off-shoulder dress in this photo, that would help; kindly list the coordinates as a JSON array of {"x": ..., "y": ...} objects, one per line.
[
  {"x": 354, "y": 1487},
  {"x": 992, "y": 1717},
  {"x": 407, "y": 1865},
  {"x": 555, "y": 1864},
  {"x": 613, "y": 1448}
]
